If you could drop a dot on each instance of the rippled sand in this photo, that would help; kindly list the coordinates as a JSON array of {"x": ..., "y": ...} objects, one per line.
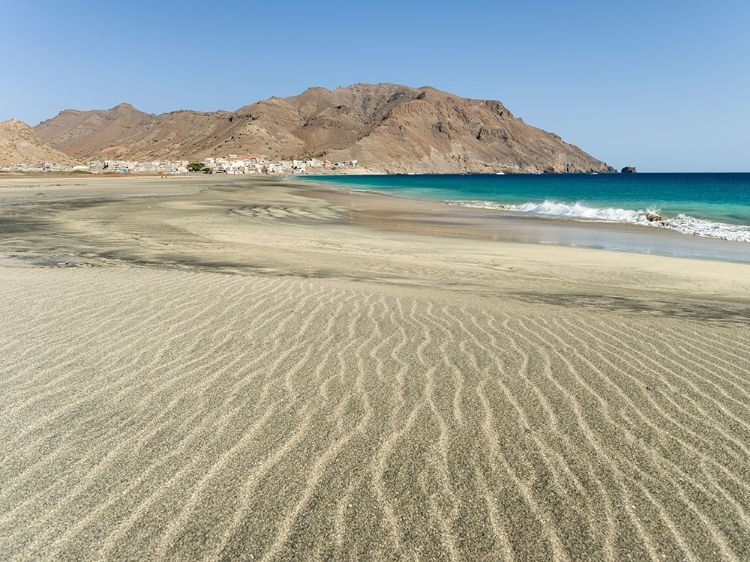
[{"x": 260, "y": 373}]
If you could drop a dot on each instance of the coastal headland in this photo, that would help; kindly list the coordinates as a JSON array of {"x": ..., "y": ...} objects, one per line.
[{"x": 250, "y": 368}]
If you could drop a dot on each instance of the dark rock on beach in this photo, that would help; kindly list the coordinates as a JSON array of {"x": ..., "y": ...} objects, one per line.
[{"x": 653, "y": 217}]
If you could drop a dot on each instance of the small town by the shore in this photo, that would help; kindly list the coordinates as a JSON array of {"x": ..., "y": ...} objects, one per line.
[{"x": 231, "y": 164}]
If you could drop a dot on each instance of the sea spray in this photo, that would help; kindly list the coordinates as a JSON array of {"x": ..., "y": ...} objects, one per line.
[{"x": 649, "y": 217}]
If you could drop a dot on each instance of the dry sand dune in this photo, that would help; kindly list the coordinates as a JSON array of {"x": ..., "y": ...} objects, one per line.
[{"x": 178, "y": 413}]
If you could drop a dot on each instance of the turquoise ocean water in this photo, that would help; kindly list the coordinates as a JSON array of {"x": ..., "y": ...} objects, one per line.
[{"x": 708, "y": 205}]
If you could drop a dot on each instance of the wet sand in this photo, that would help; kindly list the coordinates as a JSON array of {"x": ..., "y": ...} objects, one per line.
[{"x": 222, "y": 369}]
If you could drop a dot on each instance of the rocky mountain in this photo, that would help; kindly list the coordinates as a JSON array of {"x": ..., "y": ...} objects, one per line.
[
  {"x": 386, "y": 127},
  {"x": 20, "y": 145}
]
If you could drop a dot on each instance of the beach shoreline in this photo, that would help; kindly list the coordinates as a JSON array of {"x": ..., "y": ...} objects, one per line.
[
  {"x": 445, "y": 218},
  {"x": 229, "y": 368},
  {"x": 279, "y": 226},
  {"x": 511, "y": 225},
  {"x": 703, "y": 205}
]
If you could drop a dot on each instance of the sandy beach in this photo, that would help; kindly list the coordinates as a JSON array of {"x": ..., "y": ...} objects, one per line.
[{"x": 216, "y": 369}]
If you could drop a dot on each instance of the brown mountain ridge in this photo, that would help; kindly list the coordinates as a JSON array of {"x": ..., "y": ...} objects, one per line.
[
  {"x": 386, "y": 127},
  {"x": 19, "y": 145}
]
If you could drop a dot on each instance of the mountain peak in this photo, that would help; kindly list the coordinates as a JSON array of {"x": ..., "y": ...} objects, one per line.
[{"x": 14, "y": 124}]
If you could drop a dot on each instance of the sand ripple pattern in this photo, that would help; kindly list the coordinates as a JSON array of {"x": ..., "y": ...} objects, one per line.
[
  {"x": 184, "y": 416},
  {"x": 293, "y": 213}
]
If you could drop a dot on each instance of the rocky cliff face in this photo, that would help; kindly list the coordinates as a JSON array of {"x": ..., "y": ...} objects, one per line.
[
  {"x": 386, "y": 127},
  {"x": 19, "y": 145}
]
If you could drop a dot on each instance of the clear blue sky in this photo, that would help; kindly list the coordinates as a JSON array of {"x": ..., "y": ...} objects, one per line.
[{"x": 663, "y": 85}]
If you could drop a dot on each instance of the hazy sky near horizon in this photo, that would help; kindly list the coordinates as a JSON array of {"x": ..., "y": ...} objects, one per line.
[{"x": 662, "y": 85}]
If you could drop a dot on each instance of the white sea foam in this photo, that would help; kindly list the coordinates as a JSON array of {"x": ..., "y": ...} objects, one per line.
[{"x": 649, "y": 217}]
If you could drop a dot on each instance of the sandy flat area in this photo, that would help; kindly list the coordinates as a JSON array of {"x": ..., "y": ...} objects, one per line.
[{"x": 219, "y": 369}]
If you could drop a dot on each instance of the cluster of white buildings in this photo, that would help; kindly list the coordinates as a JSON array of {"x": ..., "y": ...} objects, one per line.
[
  {"x": 229, "y": 165},
  {"x": 130, "y": 167},
  {"x": 262, "y": 165}
]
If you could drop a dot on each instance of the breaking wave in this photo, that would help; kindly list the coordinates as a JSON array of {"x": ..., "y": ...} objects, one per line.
[{"x": 649, "y": 217}]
